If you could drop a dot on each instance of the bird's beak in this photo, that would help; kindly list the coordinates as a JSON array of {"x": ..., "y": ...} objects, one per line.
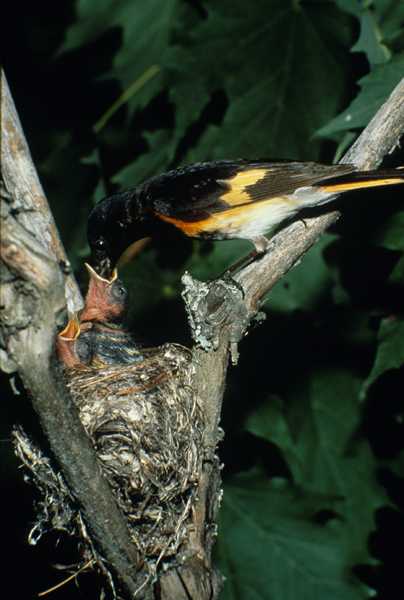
[
  {"x": 132, "y": 251},
  {"x": 94, "y": 306},
  {"x": 72, "y": 330},
  {"x": 64, "y": 346},
  {"x": 97, "y": 279}
]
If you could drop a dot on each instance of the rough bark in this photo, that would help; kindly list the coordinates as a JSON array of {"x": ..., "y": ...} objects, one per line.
[
  {"x": 379, "y": 139},
  {"x": 35, "y": 290},
  {"x": 37, "y": 285}
]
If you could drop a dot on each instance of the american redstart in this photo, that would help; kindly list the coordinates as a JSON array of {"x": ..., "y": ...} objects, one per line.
[{"x": 220, "y": 200}]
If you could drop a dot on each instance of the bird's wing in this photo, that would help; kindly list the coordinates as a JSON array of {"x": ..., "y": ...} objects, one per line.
[{"x": 192, "y": 193}]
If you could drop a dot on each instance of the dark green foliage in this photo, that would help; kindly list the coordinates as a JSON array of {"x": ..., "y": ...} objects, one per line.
[{"x": 314, "y": 412}]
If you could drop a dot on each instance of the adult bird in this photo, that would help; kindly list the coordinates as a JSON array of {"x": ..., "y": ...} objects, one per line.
[{"x": 226, "y": 199}]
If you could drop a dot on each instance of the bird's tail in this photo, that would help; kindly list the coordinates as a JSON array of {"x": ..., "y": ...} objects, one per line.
[{"x": 361, "y": 180}]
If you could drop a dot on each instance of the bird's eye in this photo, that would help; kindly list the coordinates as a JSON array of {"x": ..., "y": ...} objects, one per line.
[
  {"x": 100, "y": 243},
  {"x": 119, "y": 292}
]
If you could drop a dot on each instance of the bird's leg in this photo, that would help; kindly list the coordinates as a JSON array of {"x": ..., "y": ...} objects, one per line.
[
  {"x": 261, "y": 246},
  {"x": 240, "y": 263}
]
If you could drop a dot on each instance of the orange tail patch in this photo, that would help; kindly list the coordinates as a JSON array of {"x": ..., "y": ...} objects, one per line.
[{"x": 357, "y": 185}]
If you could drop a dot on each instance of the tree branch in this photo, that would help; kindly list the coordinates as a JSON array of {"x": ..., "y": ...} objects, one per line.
[
  {"x": 36, "y": 284},
  {"x": 35, "y": 294},
  {"x": 379, "y": 138}
]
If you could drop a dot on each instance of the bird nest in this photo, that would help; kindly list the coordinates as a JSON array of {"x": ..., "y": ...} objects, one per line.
[{"x": 147, "y": 428}]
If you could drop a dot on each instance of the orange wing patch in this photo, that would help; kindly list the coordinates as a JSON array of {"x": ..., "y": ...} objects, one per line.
[
  {"x": 251, "y": 219},
  {"x": 237, "y": 193},
  {"x": 357, "y": 185},
  {"x": 190, "y": 228}
]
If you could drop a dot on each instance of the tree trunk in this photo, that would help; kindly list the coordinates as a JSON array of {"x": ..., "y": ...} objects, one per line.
[{"x": 37, "y": 285}]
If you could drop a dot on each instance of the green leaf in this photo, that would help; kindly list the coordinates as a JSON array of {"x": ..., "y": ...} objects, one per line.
[
  {"x": 306, "y": 284},
  {"x": 277, "y": 62},
  {"x": 381, "y": 23},
  {"x": 146, "y": 28},
  {"x": 149, "y": 163},
  {"x": 391, "y": 234},
  {"x": 69, "y": 200},
  {"x": 390, "y": 17},
  {"x": 314, "y": 427},
  {"x": 301, "y": 289},
  {"x": 127, "y": 96},
  {"x": 390, "y": 352},
  {"x": 150, "y": 283},
  {"x": 93, "y": 160},
  {"x": 207, "y": 266},
  {"x": 375, "y": 88},
  {"x": 370, "y": 40},
  {"x": 396, "y": 277},
  {"x": 276, "y": 77},
  {"x": 270, "y": 548}
]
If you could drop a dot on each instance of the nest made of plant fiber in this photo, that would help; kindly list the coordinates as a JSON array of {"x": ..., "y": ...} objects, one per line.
[
  {"x": 147, "y": 427},
  {"x": 55, "y": 507}
]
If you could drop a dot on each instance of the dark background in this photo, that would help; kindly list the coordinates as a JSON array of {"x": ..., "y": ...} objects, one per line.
[{"x": 304, "y": 406}]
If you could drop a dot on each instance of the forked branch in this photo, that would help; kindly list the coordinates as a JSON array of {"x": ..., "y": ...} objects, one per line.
[{"x": 37, "y": 285}]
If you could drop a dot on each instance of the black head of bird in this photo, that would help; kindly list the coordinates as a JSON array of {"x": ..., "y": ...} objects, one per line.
[{"x": 113, "y": 225}]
